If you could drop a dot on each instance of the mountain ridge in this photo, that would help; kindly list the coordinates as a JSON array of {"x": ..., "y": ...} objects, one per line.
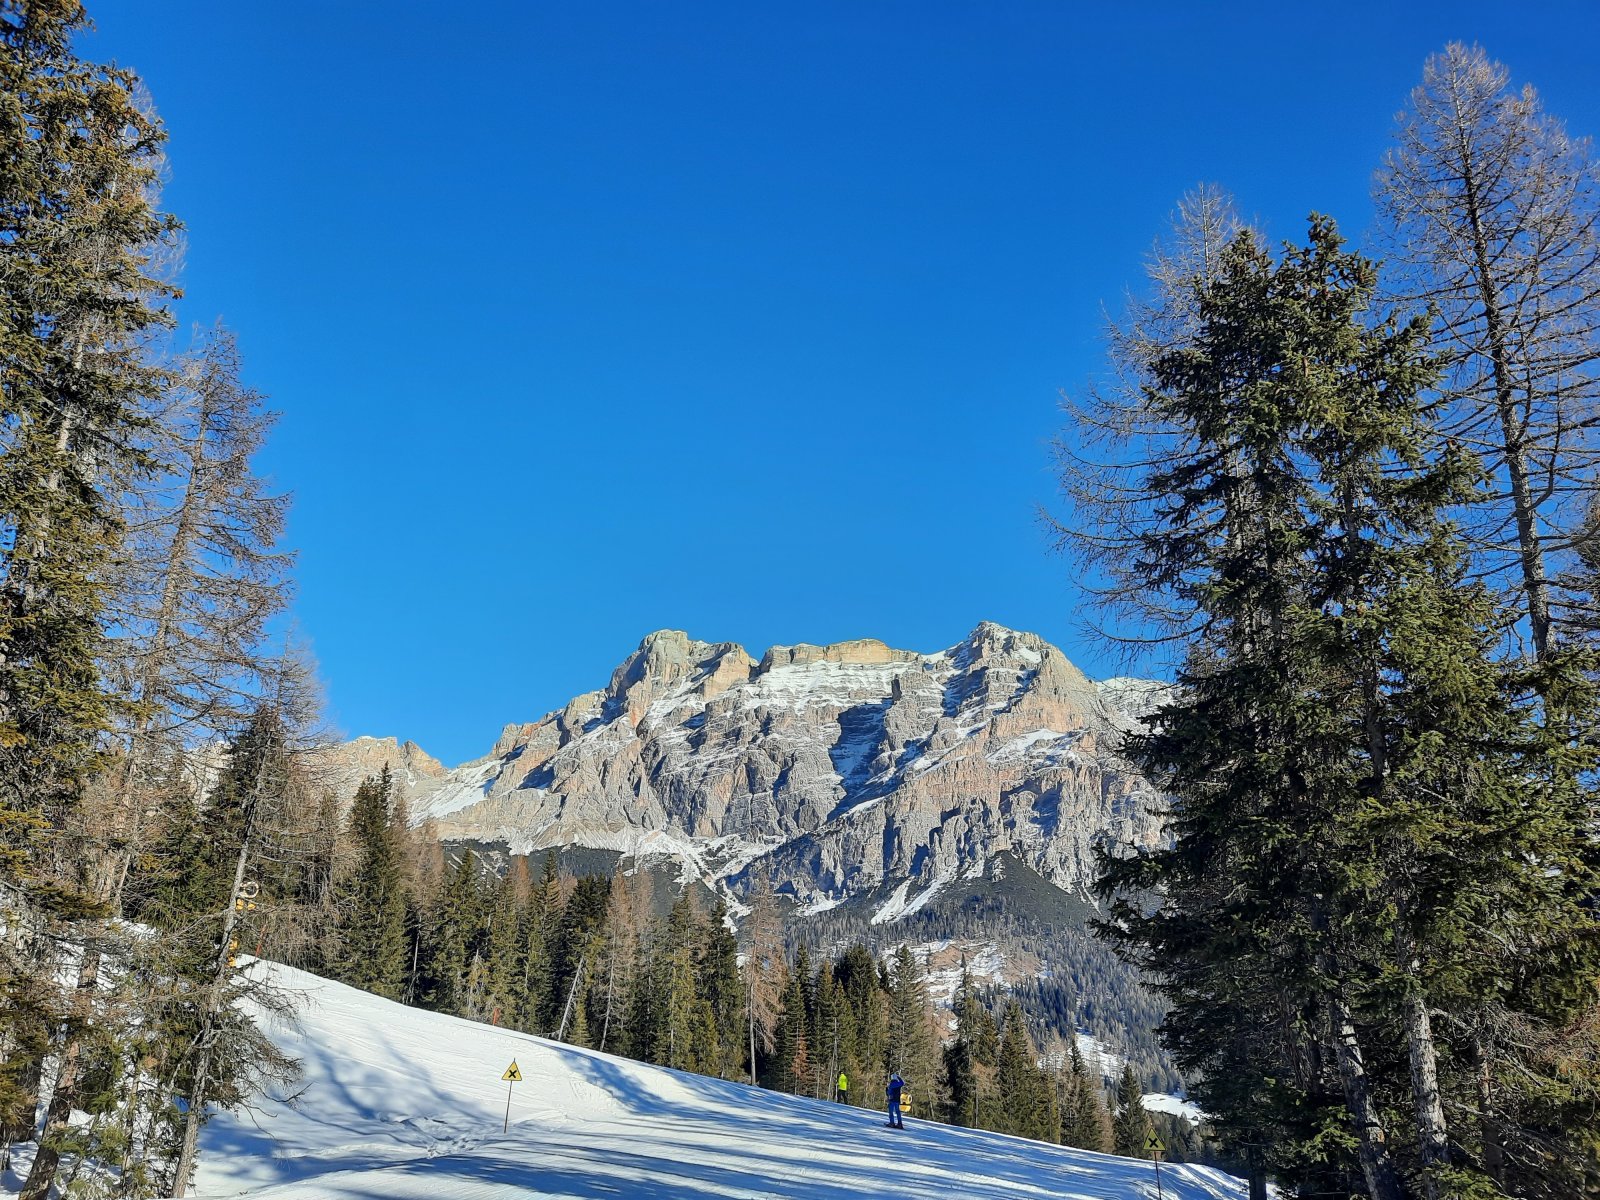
[{"x": 839, "y": 769}]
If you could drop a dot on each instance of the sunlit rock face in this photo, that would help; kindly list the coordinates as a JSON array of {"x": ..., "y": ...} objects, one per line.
[{"x": 841, "y": 769}]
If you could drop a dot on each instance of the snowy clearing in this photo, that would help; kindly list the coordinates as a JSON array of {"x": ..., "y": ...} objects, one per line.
[{"x": 402, "y": 1103}]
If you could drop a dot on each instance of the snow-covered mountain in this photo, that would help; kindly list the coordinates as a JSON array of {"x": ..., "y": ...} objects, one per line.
[
  {"x": 401, "y": 1103},
  {"x": 846, "y": 770}
]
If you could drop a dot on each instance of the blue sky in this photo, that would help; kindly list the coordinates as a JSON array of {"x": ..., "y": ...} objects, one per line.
[{"x": 589, "y": 319}]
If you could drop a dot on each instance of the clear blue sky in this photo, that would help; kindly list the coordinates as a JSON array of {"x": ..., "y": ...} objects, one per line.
[{"x": 588, "y": 319}]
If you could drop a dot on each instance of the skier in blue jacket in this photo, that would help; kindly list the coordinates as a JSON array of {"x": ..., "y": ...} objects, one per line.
[{"x": 893, "y": 1092}]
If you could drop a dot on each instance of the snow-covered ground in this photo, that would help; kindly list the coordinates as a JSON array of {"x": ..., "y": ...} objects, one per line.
[
  {"x": 396, "y": 1102},
  {"x": 1176, "y": 1105}
]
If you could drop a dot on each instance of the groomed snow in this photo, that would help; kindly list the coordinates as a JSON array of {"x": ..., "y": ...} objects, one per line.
[{"x": 400, "y": 1103}]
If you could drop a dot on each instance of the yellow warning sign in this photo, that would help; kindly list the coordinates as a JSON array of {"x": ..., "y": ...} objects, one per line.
[
  {"x": 513, "y": 1072},
  {"x": 1151, "y": 1143}
]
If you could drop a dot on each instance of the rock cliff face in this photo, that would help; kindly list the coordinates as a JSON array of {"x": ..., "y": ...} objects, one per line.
[
  {"x": 342, "y": 769},
  {"x": 844, "y": 770}
]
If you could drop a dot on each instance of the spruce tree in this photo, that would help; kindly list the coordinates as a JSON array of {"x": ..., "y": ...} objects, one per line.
[
  {"x": 961, "y": 1074},
  {"x": 908, "y": 1047},
  {"x": 262, "y": 795},
  {"x": 1361, "y": 796},
  {"x": 848, "y": 1057},
  {"x": 1085, "y": 1121},
  {"x": 792, "y": 1055},
  {"x": 502, "y": 974},
  {"x": 373, "y": 900},
  {"x": 1021, "y": 1098},
  {"x": 802, "y": 975},
  {"x": 456, "y": 922},
  {"x": 664, "y": 1019},
  {"x": 1131, "y": 1128},
  {"x": 857, "y": 973},
  {"x": 720, "y": 986},
  {"x": 615, "y": 972},
  {"x": 826, "y": 1033},
  {"x": 79, "y": 236},
  {"x": 540, "y": 920}
]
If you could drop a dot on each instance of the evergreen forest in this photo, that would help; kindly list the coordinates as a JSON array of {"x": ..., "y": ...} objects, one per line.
[{"x": 1349, "y": 494}]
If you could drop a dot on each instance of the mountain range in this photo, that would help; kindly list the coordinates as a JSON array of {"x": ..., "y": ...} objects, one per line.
[
  {"x": 846, "y": 771},
  {"x": 951, "y": 801}
]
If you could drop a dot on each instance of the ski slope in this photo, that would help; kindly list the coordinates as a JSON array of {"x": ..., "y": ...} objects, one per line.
[{"x": 396, "y": 1102}]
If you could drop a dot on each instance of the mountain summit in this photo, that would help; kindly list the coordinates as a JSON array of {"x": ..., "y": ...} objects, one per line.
[{"x": 844, "y": 770}]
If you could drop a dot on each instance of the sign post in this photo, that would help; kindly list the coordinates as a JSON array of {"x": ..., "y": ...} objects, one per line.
[
  {"x": 1153, "y": 1144},
  {"x": 513, "y": 1076}
]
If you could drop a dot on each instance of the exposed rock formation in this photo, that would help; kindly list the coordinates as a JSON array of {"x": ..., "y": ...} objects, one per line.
[
  {"x": 845, "y": 768},
  {"x": 342, "y": 768}
]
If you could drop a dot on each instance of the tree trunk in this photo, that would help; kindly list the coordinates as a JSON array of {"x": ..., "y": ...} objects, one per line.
[
  {"x": 572, "y": 994},
  {"x": 1432, "y": 1134},
  {"x": 1431, "y": 1131},
  {"x": 207, "y": 1035},
  {"x": 1257, "y": 1179},
  {"x": 58, "y": 1113},
  {"x": 47, "y": 1158},
  {"x": 1377, "y": 1166},
  {"x": 1530, "y": 552},
  {"x": 1493, "y": 1152}
]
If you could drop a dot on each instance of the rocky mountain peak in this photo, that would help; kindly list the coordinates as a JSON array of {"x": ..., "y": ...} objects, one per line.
[
  {"x": 664, "y": 661},
  {"x": 866, "y": 651},
  {"x": 343, "y": 768},
  {"x": 846, "y": 768}
]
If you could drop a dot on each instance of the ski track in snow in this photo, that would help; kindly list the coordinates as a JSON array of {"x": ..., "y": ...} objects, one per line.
[{"x": 397, "y": 1102}]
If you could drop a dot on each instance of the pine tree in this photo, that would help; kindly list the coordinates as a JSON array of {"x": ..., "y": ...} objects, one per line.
[
  {"x": 1343, "y": 753},
  {"x": 1131, "y": 1128},
  {"x": 960, "y": 1065},
  {"x": 826, "y": 1034},
  {"x": 676, "y": 1041},
  {"x": 803, "y": 973},
  {"x": 616, "y": 970},
  {"x": 375, "y": 905},
  {"x": 79, "y": 236},
  {"x": 723, "y": 991},
  {"x": 857, "y": 974},
  {"x": 541, "y": 918},
  {"x": 909, "y": 1046},
  {"x": 456, "y": 923},
  {"x": 574, "y": 943},
  {"x": 77, "y": 241},
  {"x": 1085, "y": 1122},
  {"x": 1024, "y": 1105},
  {"x": 262, "y": 795},
  {"x": 792, "y": 1055},
  {"x": 849, "y": 1056},
  {"x": 502, "y": 974}
]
